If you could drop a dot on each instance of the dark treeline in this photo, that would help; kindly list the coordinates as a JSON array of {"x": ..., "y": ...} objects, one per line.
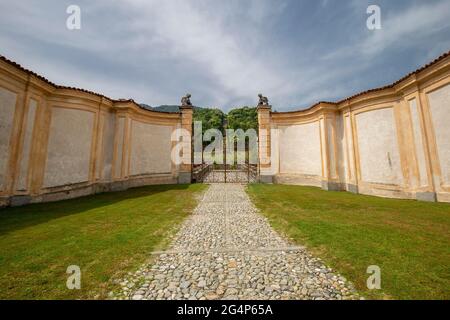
[
  {"x": 239, "y": 118},
  {"x": 213, "y": 118}
]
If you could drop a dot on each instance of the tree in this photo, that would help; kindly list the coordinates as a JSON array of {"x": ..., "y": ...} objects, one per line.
[
  {"x": 239, "y": 118},
  {"x": 243, "y": 118},
  {"x": 211, "y": 118}
]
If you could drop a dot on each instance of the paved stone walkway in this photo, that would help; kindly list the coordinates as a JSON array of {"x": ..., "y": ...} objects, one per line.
[
  {"x": 227, "y": 250},
  {"x": 233, "y": 176}
]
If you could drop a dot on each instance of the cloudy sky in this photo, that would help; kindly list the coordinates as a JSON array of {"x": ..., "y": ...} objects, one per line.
[{"x": 224, "y": 52}]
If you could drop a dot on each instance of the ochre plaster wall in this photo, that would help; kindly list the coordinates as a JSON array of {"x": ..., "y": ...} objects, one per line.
[
  {"x": 8, "y": 100},
  {"x": 440, "y": 116},
  {"x": 378, "y": 147},
  {"x": 151, "y": 149},
  {"x": 390, "y": 142},
  {"x": 69, "y": 145},
  {"x": 300, "y": 150},
  {"x": 59, "y": 143}
]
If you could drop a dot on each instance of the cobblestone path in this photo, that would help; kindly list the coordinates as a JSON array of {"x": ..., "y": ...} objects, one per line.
[
  {"x": 233, "y": 176},
  {"x": 228, "y": 250}
]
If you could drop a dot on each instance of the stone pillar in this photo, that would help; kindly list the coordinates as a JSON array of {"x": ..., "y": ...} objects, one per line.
[
  {"x": 185, "y": 174},
  {"x": 265, "y": 163}
]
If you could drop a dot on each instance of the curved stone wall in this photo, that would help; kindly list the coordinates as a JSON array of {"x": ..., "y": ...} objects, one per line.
[
  {"x": 391, "y": 142},
  {"x": 58, "y": 143}
]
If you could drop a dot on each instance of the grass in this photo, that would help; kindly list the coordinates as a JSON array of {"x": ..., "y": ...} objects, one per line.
[
  {"x": 106, "y": 235},
  {"x": 408, "y": 240}
]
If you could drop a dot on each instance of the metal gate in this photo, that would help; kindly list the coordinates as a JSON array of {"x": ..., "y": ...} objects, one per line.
[
  {"x": 220, "y": 173},
  {"x": 226, "y": 173}
]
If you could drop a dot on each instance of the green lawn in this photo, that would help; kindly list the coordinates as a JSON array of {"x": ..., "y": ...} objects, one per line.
[
  {"x": 106, "y": 235},
  {"x": 408, "y": 240}
]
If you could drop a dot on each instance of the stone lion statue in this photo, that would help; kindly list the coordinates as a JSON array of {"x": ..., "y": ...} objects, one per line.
[
  {"x": 186, "y": 100},
  {"x": 263, "y": 101}
]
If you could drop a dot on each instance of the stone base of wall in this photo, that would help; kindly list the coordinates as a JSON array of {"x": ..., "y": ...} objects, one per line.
[
  {"x": 185, "y": 178},
  {"x": 298, "y": 179},
  {"x": 332, "y": 186},
  {"x": 267, "y": 179},
  {"x": 18, "y": 201},
  {"x": 443, "y": 197},
  {"x": 426, "y": 196},
  {"x": 77, "y": 191},
  {"x": 352, "y": 188},
  {"x": 366, "y": 189},
  {"x": 4, "y": 202},
  {"x": 385, "y": 192},
  {"x": 140, "y": 181}
]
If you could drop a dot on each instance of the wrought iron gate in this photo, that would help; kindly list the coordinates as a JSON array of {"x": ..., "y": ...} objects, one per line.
[
  {"x": 220, "y": 173},
  {"x": 226, "y": 173}
]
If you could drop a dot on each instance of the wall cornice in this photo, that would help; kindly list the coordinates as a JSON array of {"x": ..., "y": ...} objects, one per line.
[
  {"x": 318, "y": 110},
  {"x": 132, "y": 108},
  {"x": 390, "y": 93},
  {"x": 14, "y": 72}
]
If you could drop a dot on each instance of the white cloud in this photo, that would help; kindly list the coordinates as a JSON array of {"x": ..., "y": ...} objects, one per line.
[
  {"x": 408, "y": 27},
  {"x": 324, "y": 3},
  {"x": 223, "y": 52},
  {"x": 400, "y": 29},
  {"x": 201, "y": 34}
]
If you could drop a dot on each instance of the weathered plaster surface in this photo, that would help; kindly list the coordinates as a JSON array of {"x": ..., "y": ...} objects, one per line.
[
  {"x": 7, "y": 109},
  {"x": 390, "y": 142},
  {"x": 378, "y": 147},
  {"x": 26, "y": 150},
  {"x": 69, "y": 147},
  {"x": 349, "y": 152},
  {"x": 58, "y": 143},
  {"x": 300, "y": 149},
  {"x": 330, "y": 132},
  {"x": 119, "y": 144},
  {"x": 341, "y": 147},
  {"x": 150, "y": 148},
  {"x": 419, "y": 146},
  {"x": 439, "y": 108},
  {"x": 299, "y": 179},
  {"x": 107, "y": 146}
]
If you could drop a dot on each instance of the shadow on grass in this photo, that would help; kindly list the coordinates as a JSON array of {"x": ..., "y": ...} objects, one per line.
[{"x": 12, "y": 219}]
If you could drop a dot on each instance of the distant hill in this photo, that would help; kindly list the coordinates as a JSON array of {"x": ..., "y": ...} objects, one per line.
[
  {"x": 146, "y": 106},
  {"x": 166, "y": 108},
  {"x": 163, "y": 108}
]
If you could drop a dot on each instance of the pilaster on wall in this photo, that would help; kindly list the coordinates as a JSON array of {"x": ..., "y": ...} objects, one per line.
[
  {"x": 29, "y": 143},
  {"x": 398, "y": 111},
  {"x": 431, "y": 150},
  {"x": 97, "y": 146},
  {"x": 40, "y": 143},
  {"x": 185, "y": 174},
  {"x": 127, "y": 148},
  {"x": 351, "y": 178},
  {"x": 265, "y": 144},
  {"x": 406, "y": 144},
  {"x": 334, "y": 181},
  {"x": 330, "y": 175},
  {"x": 119, "y": 142},
  {"x": 420, "y": 173},
  {"x": 17, "y": 137},
  {"x": 95, "y": 149}
]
